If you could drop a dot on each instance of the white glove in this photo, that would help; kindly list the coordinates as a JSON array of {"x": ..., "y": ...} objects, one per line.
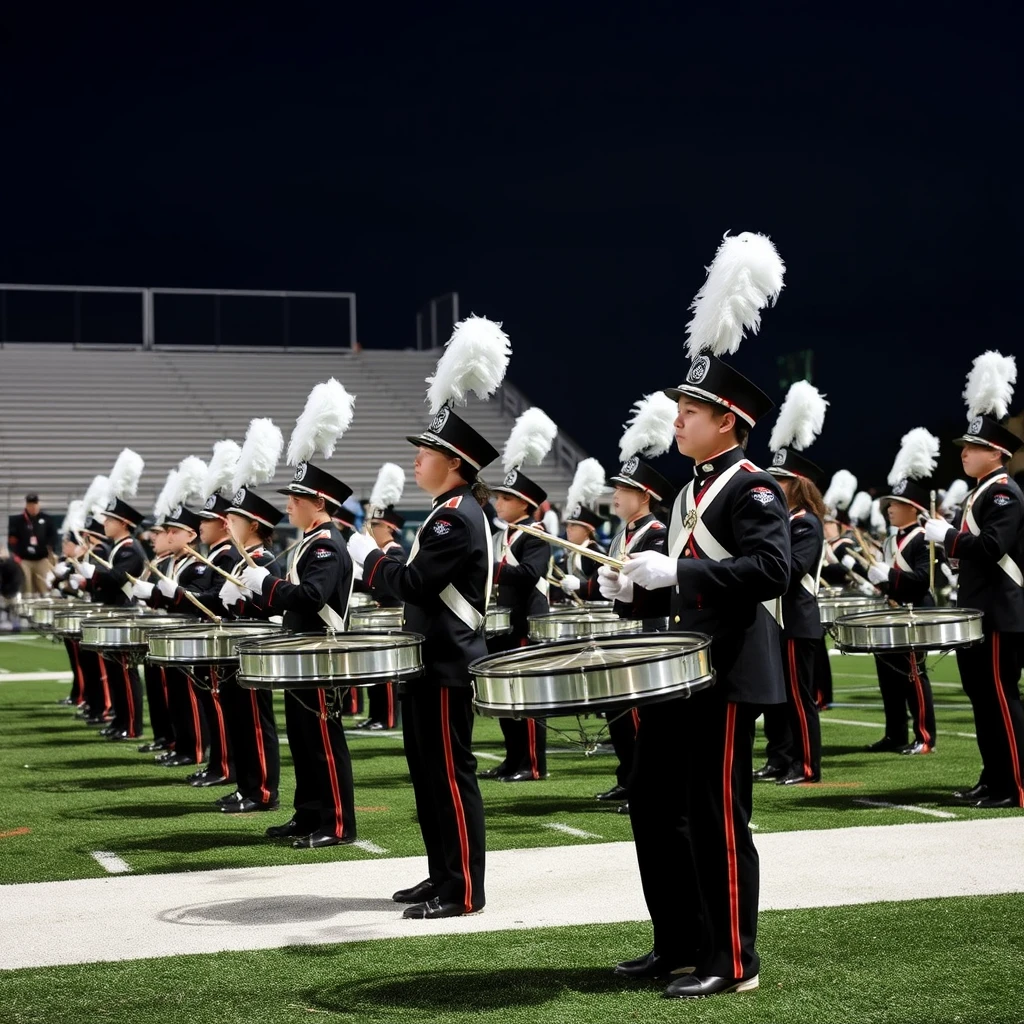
[
  {"x": 613, "y": 585},
  {"x": 230, "y": 594},
  {"x": 60, "y": 570},
  {"x": 848, "y": 562},
  {"x": 947, "y": 571},
  {"x": 253, "y": 577},
  {"x": 77, "y": 582},
  {"x": 570, "y": 584},
  {"x": 652, "y": 570},
  {"x": 142, "y": 590},
  {"x": 359, "y": 546},
  {"x": 879, "y": 572},
  {"x": 867, "y": 589},
  {"x": 935, "y": 530},
  {"x": 88, "y": 570},
  {"x": 167, "y": 587},
  {"x": 49, "y": 579}
]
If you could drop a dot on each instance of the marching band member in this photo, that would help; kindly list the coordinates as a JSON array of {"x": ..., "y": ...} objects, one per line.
[
  {"x": 988, "y": 545},
  {"x": 446, "y": 585},
  {"x": 155, "y": 676},
  {"x": 581, "y": 525},
  {"x": 727, "y": 568}
]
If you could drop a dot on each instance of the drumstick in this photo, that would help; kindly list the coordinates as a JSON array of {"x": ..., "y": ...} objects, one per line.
[
  {"x": 241, "y": 550},
  {"x": 291, "y": 547},
  {"x": 189, "y": 596},
  {"x": 870, "y": 551},
  {"x": 557, "y": 580},
  {"x": 931, "y": 552},
  {"x": 216, "y": 568},
  {"x": 590, "y": 553}
]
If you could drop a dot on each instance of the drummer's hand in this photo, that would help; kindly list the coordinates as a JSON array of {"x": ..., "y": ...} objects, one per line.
[
  {"x": 253, "y": 577},
  {"x": 613, "y": 585},
  {"x": 947, "y": 571},
  {"x": 359, "y": 546},
  {"x": 166, "y": 587},
  {"x": 76, "y": 582},
  {"x": 88, "y": 570},
  {"x": 570, "y": 584},
  {"x": 849, "y": 562},
  {"x": 60, "y": 570},
  {"x": 867, "y": 589},
  {"x": 230, "y": 594},
  {"x": 49, "y": 578},
  {"x": 652, "y": 570},
  {"x": 879, "y": 572},
  {"x": 935, "y": 530},
  {"x": 142, "y": 590}
]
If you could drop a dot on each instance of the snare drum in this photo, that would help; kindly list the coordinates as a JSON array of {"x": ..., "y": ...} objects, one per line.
[
  {"x": 205, "y": 643},
  {"x": 577, "y": 677},
  {"x": 375, "y": 620},
  {"x": 67, "y": 623},
  {"x": 832, "y": 608},
  {"x": 41, "y": 614},
  {"x": 909, "y": 629},
  {"x": 577, "y": 623},
  {"x": 310, "y": 660},
  {"x": 125, "y": 637}
]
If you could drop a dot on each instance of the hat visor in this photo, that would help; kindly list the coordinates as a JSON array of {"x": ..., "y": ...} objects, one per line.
[
  {"x": 246, "y": 514},
  {"x": 175, "y": 524},
  {"x": 709, "y": 397},
  {"x": 209, "y": 515},
  {"x": 502, "y": 489},
  {"x": 127, "y": 522},
  {"x": 885, "y": 500},
  {"x": 438, "y": 444},
  {"x": 980, "y": 442},
  {"x": 580, "y": 522},
  {"x": 625, "y": 481},
  {"x": 298, "y": 491}
]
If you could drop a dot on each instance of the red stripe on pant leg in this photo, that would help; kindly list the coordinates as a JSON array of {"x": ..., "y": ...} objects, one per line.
[
  {"x": 106, "y": 684},
  {"x": 915, "y": 675},
  {"x": 730, "y": 843},
  {"x": 196, "y": 723},
  {"x": 1004, "y": 708},
  {"x": 460, "y": 814},
  {"x": 636, "y": 721},
  {"x": 131, "y": 700},
  {"x": 531, "y": 743},
  {"x": 391, "y": 705},
  {"x": 225, "y": 763},
  {"x": 79, "y": 675},
  {"x": 805, "y": 734},
  {"x": 258, "y": 726},
  {"x": 339, "y": 817}
]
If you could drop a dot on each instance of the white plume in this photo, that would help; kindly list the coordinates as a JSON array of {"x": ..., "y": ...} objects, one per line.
[
  {"x": 650, "y": 430},
  {"x": 588, "y": 484},
  {"x": 221, "y": 470},
  {"x": 744, "y": 277},
  {"x": 327, "y": 416},
  {"x": 530, "y": 440},
  {"x": 260, "y": 453},
  {"x": 95, "y": 499},
  {"x": 74, "y": 520},
  {"x": 800, "y": 419},
  {"x": 919, "y": 451},
  {"x": 474, "y": 359},
  {"x": 387, "y": 490},
  {"x": 841, "y": 490},
  {"x": 188, "y": 486},
  {"x": 165, "y": 501},
  {"x": 860, "y": 507},
  {"x": 878, "y": 521},
  {"x": 990, "y": 385},
  {"x": 125, "y": 476},
  {"x": 954, "y": 496}
]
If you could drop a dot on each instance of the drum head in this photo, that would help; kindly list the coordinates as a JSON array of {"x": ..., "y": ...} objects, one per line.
[
  {"x": 583, "y": 676},
  {"x": 577, "y": 623},
  {"x": 205, "y": 643},
  {"x": 905, "y": 629}
]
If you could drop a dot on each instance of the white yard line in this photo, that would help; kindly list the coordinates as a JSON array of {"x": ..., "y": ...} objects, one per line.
[
  {"x": 878, "y": 725},
  {"x": 489, "y": 757},
  {"x": 557, "y": 826},
  {"x": 903, "y": 807},
  {"x": 365, "y": 844},
  {"x": 110, "y": 862},
  {"x": 42, "y": 676}
]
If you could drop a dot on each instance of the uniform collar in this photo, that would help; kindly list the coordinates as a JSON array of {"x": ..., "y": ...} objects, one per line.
[
  {"x": 637, "y": 523},
  {"x": 988, "y": 476},
  {"x": 902, "y": 531},
  {"x": 718, "y": 463},
  {"x": 313, "y": 530},
  {"x": 448, "y": 495}
]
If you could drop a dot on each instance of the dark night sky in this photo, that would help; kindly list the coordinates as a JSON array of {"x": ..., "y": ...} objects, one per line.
[{"x": 569, "y": 173}]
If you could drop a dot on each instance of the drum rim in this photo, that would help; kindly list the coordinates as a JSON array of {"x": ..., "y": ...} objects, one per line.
[
  {"x": 904, "y": 614},
  {"x": 372, "y": 639}
]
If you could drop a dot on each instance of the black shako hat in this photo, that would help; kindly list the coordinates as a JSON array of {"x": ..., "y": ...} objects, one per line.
[
  {"x": 709, "y": 379},
  {"x": 914, "y": 492},
  {"x": 637, "y": 473},
  {"x": 786, "y": 462},
  {"x": 583, "y": 516},
  {"x": 182, "y": 516},
  {"x": 451, "y": 434},
  {"x": 990, "y": 433},
  {"x": 249, "y": 504},
  {"x": 311, "y": 481},
  {"x": 216, "y": 507},
  {"x": 120, "y": 509},
  {"x": 519, "y": 485},
  {"x": 384, "y": 515}
]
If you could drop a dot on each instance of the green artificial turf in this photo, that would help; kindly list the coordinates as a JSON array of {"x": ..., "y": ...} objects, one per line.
[
  {"x": 927, "y": 962},
  {"x": 68, "y": 792}
]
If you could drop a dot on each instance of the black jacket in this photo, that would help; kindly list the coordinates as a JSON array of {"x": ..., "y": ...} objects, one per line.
[
  {"x": 126, "y": 558},
  {"x": 517, "y": 584},
  {"x": 909, "y": 586},
  {"x": 983, "y": 584},
  {"x": 31, "y": 538},
  {"x": 800, "y": 616},
  {"x": 650, "y": 606},
  {"x": 454, "y": 548},
  {"x": 723, "y": 599}
]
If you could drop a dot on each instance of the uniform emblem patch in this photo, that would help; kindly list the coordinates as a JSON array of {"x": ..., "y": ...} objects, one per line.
[
  {"x": 577, "y": 511},
  {"x": 200, "y": 570},
  {"x": 698, "y": 370},
  {"x": 210, "y": 502},
  {"x": 323, "y": 553},
  {"x": 300, "y": 472},
  {"x": 438, "y": 422},
  {"x": 691, "y": 519},
  {"x": 239, "y": 497},
  {"x": 765, "y": 495},
  {"x": 900, "y": 487},
  {"x": 176, "y": 512},
  {"x": 1001, "y": 499},
  {"x": 630, "y": 466},
  {"x": 442, "y": 527},
  {"x": 975, "y": 427},
  {"x": 779, "y": 459},
  {"x": 511, "y": 478}
]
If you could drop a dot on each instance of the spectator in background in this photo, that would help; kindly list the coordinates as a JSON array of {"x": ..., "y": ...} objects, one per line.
[
  {"x": 31, "y": 538},
  {"x": 10, "y": 587}
]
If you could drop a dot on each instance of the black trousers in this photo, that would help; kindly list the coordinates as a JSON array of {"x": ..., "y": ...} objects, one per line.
[
  {"x": 97, "y": 686},
  {"x": 526, "y": 746},
  {"x": 252, "y": 735},
  {"x": 798, "y": 658},
  {"x": 187, "y": 715},
  {"x": 822, "y": 676},
  {"x": 156, "y": 698},
  {"x": 903, "y": 681},
  {"x": 690, "y": 802},
  {"x": 437, "y": 723},
  {"x": 207, "y": 690},
  {"x": 384, "y": 705},
  {"x": 126, "y": 693},
  {"x": 622, "y": 729},
  {"x": 990, "y": 674},
  {"x": 324, "y": 791},
  {"x": 77, "y": 675}
]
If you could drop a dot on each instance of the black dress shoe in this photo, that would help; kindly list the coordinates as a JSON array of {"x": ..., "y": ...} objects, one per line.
[
  {"x": 286, "y": 831},
  {"x": 152, "y": 748},
  {"x": 67, "y": 702},
  {"x": 994, "y": 802},
  {"x": 526, "y": 776},
  {"x": 435, "y": 909},
  {"x": 694, "y": 987},
  {"x": 211, "y": 779},
  {"x": 622, "y": 808},
  {"x": 886, "y": 746},
  {"x": 492, "y": 773},
  {"x": 615, "y": 793},
  {"x": 321, "y": 839},
  {"x": 770, "y": 771},
  {"x": 122, "y": 734},
  {"x": 247, "y": 806},
  {"x": 108, "y": 730},
  {"x": 165, "y": 756},
  {"x": 420, "y": 893},
  {"x": 797, "y": 778},
  {"x": 376, "y": 726},
  {"x": 177, "y": 761},
  {"x": 229, "y": 798},
  {"x": 975, "y": 793},
  {"x": 95, "y": 720},
  {"x": 650, "y": 966},
  {"x": 201, "y": 774}
]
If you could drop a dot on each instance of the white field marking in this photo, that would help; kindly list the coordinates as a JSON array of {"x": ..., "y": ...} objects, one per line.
[
  {"x": 836, "y": 653},
  {"x": 878, "y": 706},
  {"x": 903, "y": 807},
  {"x": 18, "y": 638},
  {"x": 557, "y": 826},
  {"x": 33, "y": 677},
  {"x": 365, "y": 844},
  {"x": 489, "y": 757},
  {"x": 880, "y": 725},
  {"x": 111, "y": 862},
  {"x": 4, "y": 671}
]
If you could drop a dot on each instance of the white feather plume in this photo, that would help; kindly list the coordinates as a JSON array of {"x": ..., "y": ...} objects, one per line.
[
  {"x": 261, "y": 451},
  {"x": 841, "y": 490},
  {"x": 801, "y": 418},
  {"x": 188, "y": 486},
  {"x": 919, "y": 451},
  {"x": 327, "y": 415},
  {"x": 990, "y": 385},
  {"x": 860, "y": 507},
  {"x": 954, "y": 496},
  {"x": 95, "y": 499},
  {"x": 221, "y": 470},
  {"x": 588, "y": 484},
  {"x": 878, "y": 521},
  {"x": 388, "y": 487},
  {"x": 650, "y": 430},
  {"x": 530, "y": 439},
  {"x": 164, "y": 500},
  {"x": 125, "y": 476},
  {"x": 74, "y": 520},
  {"x": 744, "y": 277},
  {"x": 474, "y": 359}
]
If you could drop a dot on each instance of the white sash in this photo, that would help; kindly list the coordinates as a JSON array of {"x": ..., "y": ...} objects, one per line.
[
  {"x": 1006, "y": 563},
  {"x": 808, "y": 582},
  {"x": 126, "y": 587},
  {"x": 897, "y": 548},
  {"x": 329, "y": 616},
  {"x": 619, "y": 548},
  {"x": 508, "y": 555}
]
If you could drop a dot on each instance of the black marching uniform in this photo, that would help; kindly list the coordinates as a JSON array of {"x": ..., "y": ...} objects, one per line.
[
  {"x": 157, "y": 693},
  {"x": 452, "y": 553},
  {"x": 382, "y": 700}
]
